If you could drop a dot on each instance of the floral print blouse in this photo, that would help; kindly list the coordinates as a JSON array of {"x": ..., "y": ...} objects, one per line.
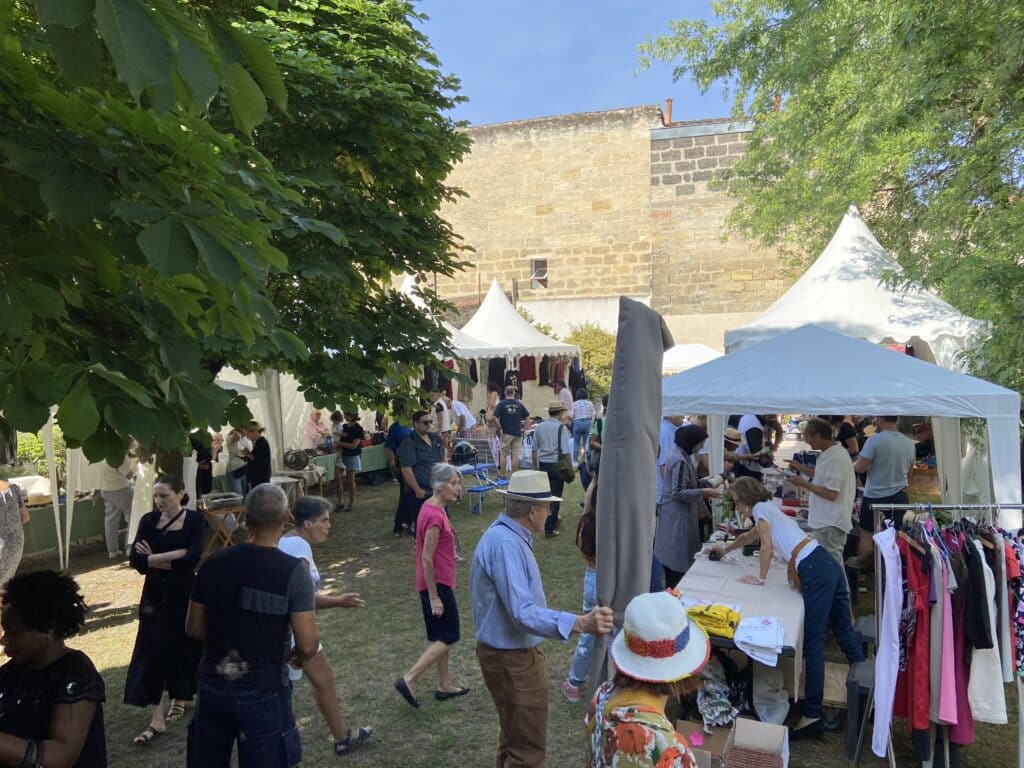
[{"x": 628, "y": 729}]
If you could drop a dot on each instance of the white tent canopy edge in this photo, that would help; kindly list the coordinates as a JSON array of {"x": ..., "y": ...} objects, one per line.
[{"x": 829, "y": 372}]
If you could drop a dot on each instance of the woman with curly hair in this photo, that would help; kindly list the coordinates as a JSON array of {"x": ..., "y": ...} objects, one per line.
[
  {"x": 51, "y": 696},
  {"x": 166, "y": 551}
]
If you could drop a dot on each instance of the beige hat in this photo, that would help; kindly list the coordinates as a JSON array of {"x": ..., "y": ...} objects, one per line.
[
  {"x": 529, "y": 485},
  {"x": 732, "y": 435},
  {"x": 554, "y": 406}
]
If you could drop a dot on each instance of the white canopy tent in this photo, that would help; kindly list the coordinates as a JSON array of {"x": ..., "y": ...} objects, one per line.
[
  {"x": 816, "y": 370},
  {"x": 843, "y": 291},
  {"x": 683, "y": 357}
]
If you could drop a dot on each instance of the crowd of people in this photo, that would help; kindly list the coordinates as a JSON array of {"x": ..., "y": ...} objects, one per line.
[{"x": 221, "y": 643}]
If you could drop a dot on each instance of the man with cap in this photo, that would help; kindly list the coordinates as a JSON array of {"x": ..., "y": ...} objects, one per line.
[
  {"x": 550, "y": 438},
  {"x": 512, "y": 617}
]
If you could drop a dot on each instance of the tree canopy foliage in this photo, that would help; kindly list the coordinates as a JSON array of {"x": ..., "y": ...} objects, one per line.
[
  {"x": 186, "y": 187},
  {"x": 913, "y": 110},
  {"x": 597, "y": 355}
]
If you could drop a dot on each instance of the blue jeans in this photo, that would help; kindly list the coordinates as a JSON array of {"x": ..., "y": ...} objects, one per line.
[
  {"x": 657, "y": 576},
  {"x": 580, "y": 436},
  {"x": 826, "y": 600},
  {"x": 585, "y": 646},
  {"x": 237, "y": 483},
  {"x": 261, "y": 721}
]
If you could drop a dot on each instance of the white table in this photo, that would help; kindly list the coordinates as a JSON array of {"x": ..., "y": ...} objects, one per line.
[{"x": 717, "y": 582}]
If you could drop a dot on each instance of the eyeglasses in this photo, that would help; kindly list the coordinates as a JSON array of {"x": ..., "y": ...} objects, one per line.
[{"x": 426, "y": 422}]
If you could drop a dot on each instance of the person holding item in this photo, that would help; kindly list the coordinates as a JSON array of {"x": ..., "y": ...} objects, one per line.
[
  {"x": 659, "y": 653},
  {"x": 166, "y": 550},
  {"x": 846, "y": 434},
  {"x": 435, "y": 581},
  {"x": 316, "y": 430},
  {"x": 351, "y": 452},
  {"x": 815, "y": 574},
  {"x": 677, "y": 529},
  {"x": 239, "y": 448},
  {"x": 312, "y": 517},
  {"x": 512, "y": 616},
  {"x": 832, "y": 487},
  {"x": 51, "y": 696},
  {"x": 257, "y": 470}
]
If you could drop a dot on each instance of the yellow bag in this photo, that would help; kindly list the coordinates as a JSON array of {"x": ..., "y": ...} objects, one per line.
[{"x": 716, "y": 619}]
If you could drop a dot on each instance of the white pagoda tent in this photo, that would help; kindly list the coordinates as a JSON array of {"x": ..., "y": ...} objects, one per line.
[
  {"x": 683, "y": 357},
  {"x": 843, "y": 290}
]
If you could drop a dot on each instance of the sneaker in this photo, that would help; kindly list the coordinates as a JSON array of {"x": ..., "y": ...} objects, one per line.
[{"x": 571, "y": 692}]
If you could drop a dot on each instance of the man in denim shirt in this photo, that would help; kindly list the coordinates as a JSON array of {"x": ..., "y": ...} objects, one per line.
[{"x": 512, "y": 617}]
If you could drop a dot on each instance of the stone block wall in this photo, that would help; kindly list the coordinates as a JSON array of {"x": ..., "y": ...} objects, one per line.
[{"x": 573, "y": 190}]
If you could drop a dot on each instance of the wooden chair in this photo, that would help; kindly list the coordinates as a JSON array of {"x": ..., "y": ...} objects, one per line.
[{"x": 221, "y": 534}]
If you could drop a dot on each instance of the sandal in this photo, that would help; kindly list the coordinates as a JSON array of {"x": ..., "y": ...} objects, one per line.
[
  {"x": 175, "y": 712},
  {"x": 355, "y": 739},
  {"x": 148, "y": 735}
]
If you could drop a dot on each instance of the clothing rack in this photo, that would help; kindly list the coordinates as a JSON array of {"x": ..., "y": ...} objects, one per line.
[{"x": 959, "y": 511}]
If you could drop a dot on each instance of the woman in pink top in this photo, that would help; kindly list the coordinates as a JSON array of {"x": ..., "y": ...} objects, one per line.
[{"x": 435, "y": 581}]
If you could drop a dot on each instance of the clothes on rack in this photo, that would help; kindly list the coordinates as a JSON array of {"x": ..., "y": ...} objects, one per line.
[
  {"x": 528, "y": 368},
  {"x": 912, "y": 684},
  {"x": 985, "y": 689},
  {"x": 887, "y": 659}
]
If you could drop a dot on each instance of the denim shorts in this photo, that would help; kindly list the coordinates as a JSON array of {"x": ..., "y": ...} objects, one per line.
[{"x": 351, "y": 463}]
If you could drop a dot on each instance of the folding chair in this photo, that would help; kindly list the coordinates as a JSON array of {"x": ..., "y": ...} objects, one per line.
[
  {"x": 221, "y": 532},
  {"x": 483, "y": 474}
]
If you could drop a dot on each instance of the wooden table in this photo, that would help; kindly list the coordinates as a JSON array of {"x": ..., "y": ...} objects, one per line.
[{"x": 716, "y": 582}]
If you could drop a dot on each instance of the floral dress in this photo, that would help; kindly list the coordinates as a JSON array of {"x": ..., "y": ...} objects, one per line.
[{"x": 628, "y": 729}]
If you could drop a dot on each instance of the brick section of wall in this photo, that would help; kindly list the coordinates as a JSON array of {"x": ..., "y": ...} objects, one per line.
[
  {"x": 574, "y": 190},
  {"x": 695, "y": 271}
]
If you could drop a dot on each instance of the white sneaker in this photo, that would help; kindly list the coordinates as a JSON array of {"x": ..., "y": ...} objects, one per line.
[{"x": 571, "y": 692}]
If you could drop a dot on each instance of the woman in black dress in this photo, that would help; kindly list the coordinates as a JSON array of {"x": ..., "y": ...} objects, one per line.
[
  {"x": 51, "y": 697},
  {"x": 167, "y": 549}
]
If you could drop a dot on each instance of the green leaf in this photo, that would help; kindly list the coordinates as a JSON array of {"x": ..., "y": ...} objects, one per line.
[
  {"x": 77, "y": 414},
  {"x": 21, "y": 408},
  {"x": 260, "y": 60},
  {"x": 219, "y": 261},
  {"x": 78, "y": 53},
  {"x": 196, "y": 70},
  {"x": 168, "y": 247},
  {"x": 75, "y": 197},
  {"x": 126, "y": 385},
  {"x": 248, "y": 107},
  {"x": 64, "y": 13},
  {"x": 141, "y": 52}
]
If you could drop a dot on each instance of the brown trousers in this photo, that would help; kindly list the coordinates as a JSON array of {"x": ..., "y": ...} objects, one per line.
[{"x": 518, "y": 684}]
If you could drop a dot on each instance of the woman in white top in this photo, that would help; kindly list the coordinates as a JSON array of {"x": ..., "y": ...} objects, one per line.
[
  {"x": 582, "y": 414},
  {"x": 312, "y": 515},
  {"x": 239, "y": 447},
  {"x": 820, "y": 581}
]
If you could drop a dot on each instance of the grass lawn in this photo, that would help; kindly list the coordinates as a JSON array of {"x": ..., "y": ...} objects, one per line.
[{"x": 369, "y": 648}]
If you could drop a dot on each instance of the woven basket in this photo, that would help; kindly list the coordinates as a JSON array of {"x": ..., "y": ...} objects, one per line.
[{"x": 744, "y": 757}]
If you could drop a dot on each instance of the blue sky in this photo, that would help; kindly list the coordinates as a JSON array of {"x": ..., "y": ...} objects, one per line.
[{"x": 531, "y": 58}]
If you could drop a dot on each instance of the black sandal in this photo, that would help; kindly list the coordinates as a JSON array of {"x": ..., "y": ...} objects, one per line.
[
  {"x": 355, "y": 739},
  {"x": 148, "y": 735}
]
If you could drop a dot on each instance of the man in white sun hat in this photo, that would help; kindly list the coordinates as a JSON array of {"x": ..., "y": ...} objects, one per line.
[
  {"x": 512, "y": 617},
  {"x": 658, "y": 654}
]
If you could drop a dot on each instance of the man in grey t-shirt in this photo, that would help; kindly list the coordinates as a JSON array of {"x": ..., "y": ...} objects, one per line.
[{"x": 888, "y": 460}]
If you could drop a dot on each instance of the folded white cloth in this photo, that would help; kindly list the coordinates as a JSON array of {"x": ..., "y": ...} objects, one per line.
[{"x": 761, "y": 638}]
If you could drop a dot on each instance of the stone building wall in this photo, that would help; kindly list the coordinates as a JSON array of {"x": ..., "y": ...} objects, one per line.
[{"x": 617, "y": 204}]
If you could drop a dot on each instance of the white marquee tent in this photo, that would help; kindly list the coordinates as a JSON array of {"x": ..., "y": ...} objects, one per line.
[
  {"x": 816, "y": 370},
  {"x": 683, "y": 357},
  {"x": 843, "y": 291}
]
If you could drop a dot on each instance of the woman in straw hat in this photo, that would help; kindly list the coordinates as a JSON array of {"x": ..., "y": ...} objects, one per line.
[{"x": 657, "y": 654}]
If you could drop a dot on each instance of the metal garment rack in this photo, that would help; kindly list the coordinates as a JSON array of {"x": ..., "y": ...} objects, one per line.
[{"x": 960, "y": 511}]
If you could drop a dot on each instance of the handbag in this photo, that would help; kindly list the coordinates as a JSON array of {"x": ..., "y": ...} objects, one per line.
[
  {"x": 563, "y": 466},
  {"x": 592, "y": 456}
]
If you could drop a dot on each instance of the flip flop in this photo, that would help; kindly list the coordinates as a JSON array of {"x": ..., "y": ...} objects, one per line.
[
  {"x": 403, "y": 689},
  {"x": 175, "y": 712},
  {"x": 355, "y": 739},
  {"x": 148, "y": 735},
  {"x": 445, "y": 695}
]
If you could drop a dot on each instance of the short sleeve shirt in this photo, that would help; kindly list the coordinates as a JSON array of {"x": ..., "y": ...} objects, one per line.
[
  {"x": 461, "y": 409},
  {"x": 510, "y": 415},
  {"x": 250, "y": 593},
  {"x": 350, "y": 432},
  {"x": 444, "y": 556},
  {"x": 786, "y": 533},
  {"x": 892, "y": 456},
  {"x": 834, "y": 471},
  {"x": 296, "y": 546},
  {"x": 421, "y": 456}
]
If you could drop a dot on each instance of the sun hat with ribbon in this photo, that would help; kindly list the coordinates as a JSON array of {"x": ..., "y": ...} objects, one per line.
[
  {"x": 555, "y": 406},
  {"x": 732, "y": 435},
  {"x": 658, "y": 642},
  {"x": 529, "y": 485}
]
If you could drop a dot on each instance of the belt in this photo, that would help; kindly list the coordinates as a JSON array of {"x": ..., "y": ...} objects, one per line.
[{"x": 791, "y": 571}]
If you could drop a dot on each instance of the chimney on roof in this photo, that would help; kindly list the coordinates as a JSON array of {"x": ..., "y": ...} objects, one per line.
[{"x": 666, "y": 115}]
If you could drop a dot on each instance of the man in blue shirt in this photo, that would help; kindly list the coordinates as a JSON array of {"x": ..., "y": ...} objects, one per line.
[
  {"x": 512, "y": 617},
  {"x": 509, "y": 415}
]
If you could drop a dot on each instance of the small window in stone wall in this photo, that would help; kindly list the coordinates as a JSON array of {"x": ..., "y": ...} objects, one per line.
[{"x": 538, "y": 273}]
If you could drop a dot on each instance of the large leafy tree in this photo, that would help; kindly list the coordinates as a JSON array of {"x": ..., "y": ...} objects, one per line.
[
  {"x": 914, "y": 110},
  {"x": 146, "y": 240}
]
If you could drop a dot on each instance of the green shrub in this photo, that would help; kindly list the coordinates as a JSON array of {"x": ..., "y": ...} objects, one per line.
[
  {"x": 32, "y": 455},
  {"x": 597, "y": 353}
]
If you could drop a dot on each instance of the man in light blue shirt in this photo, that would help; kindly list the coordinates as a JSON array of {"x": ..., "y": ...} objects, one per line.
[{"x": 512, "y": 617}]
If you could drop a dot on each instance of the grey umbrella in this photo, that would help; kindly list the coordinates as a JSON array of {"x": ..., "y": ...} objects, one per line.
[{"x": 626, "y": 503}]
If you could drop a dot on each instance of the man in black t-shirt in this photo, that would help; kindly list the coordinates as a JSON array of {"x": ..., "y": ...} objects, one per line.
[
  {"x": 509, "y": 415},
  {"x": 417, "y": 455},
  {"x": 245, "y": 600}
]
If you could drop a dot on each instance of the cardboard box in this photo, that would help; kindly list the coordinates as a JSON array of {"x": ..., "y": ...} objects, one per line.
[
  {"x": 713, "y": 742},
  {"x": 753, "y": 744}
]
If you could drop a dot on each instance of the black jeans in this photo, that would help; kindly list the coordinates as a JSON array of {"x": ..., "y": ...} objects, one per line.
[{"x": 557, "y": 486}]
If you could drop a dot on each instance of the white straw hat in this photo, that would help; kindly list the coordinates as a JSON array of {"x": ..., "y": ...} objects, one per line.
[
  {"x": 529, "y": 485},
  {"x": 658, "y": 642}
]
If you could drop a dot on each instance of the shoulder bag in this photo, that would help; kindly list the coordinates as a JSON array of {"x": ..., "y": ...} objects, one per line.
[{"x": 563, "y": 466}]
